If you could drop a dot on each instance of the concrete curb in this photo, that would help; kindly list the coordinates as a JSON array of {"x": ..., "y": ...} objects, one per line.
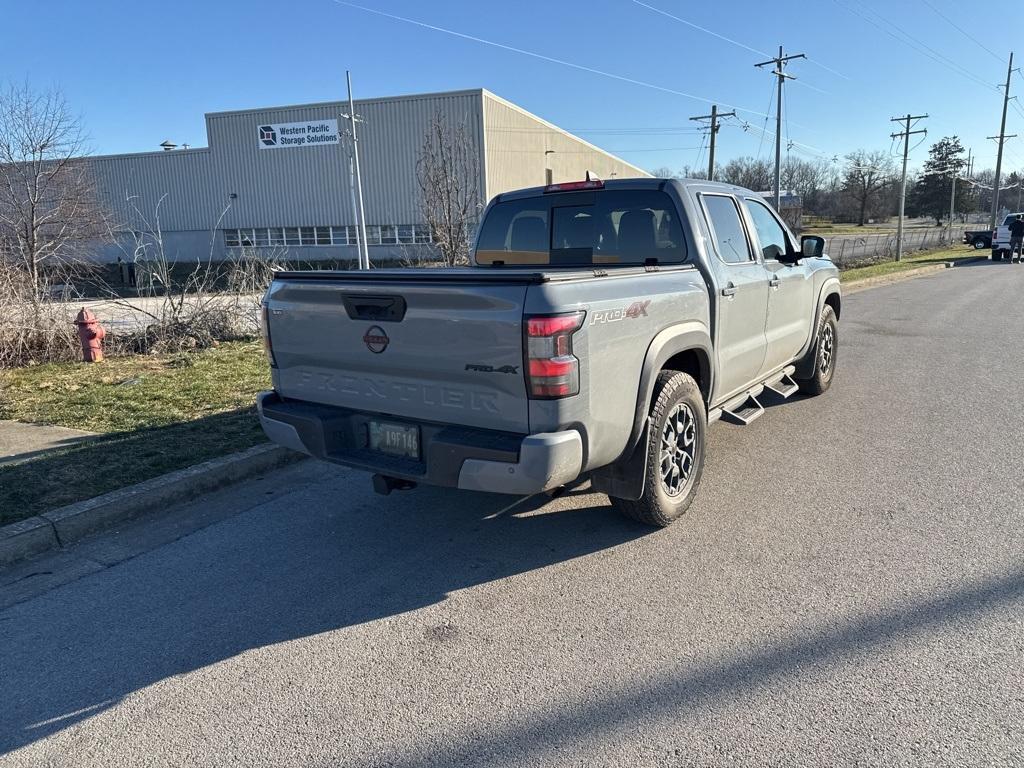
[
  {"x": 60, "y": 527},
  {"x": 885, "y": 280}
]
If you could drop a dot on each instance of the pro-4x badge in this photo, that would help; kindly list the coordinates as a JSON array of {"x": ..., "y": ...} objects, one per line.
[{"x": 492, "y": 369}]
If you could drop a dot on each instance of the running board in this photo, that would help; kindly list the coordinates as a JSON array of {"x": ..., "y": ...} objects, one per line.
[
  {"x": 746, "y": 411},
  {"x": 784, "y": 386}
]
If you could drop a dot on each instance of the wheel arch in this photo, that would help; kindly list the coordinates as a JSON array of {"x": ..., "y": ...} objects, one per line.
[
  {"x": 685, "y": 347},
  {"x": 830, "y": 295}
]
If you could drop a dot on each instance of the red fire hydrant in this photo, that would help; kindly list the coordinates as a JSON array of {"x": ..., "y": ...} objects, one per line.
[{"x": 91, "y": 334}]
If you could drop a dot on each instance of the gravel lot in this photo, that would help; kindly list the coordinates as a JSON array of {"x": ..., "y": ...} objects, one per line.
[{"x": 848, "y": 590}]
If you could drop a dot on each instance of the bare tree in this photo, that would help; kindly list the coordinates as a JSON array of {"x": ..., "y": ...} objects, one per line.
[
  {"x": 448, "y": 173},
  {"x": 49, "y": 209},
  {"x": 749, "y": 172},
  {"x": 866, "y": 177}
]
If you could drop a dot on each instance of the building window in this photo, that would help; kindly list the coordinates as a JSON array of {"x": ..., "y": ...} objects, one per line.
[
  {"x": 422, "y": 234},
  {"x": 376, "y": 234},
  {"x": 406, "y": 234}
]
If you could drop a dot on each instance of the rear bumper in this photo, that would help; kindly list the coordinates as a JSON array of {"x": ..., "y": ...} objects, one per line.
[{"x": 457, "y": 457}]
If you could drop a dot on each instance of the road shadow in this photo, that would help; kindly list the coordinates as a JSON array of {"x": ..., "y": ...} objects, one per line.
[
  {"x": 672, "y": 695},
  {"x": 266, "y": 577},
  {"x": 84, "y": 468},
  {"x": 983, "y": 261}
]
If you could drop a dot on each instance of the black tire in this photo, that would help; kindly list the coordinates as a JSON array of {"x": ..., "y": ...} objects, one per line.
[
  {"x": 997, "y": 255},
  {"x": 980, "y": 243},
  {"x": 676, "y": 396},
  {"x": 826, "y": 346}
]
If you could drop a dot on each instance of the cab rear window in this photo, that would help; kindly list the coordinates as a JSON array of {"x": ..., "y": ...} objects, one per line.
[{"x": 583, "y": 228}]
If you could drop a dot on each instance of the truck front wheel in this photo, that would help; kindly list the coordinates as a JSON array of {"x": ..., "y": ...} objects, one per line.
[
  {"x": 825, "y": 348},
  {"x": 675, "y": 452}
]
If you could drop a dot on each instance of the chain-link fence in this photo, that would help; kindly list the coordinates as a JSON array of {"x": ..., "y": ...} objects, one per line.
[{"x": 854, "y": 250}]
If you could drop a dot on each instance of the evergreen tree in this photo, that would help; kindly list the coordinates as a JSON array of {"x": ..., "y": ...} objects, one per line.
[{"x": 931, "y": 192}]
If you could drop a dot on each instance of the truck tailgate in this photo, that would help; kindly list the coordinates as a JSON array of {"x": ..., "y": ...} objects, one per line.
[{"x": 430, "y": 349}]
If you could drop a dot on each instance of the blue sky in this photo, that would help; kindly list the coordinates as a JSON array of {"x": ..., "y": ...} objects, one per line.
[{"x": 140, "y": 72}]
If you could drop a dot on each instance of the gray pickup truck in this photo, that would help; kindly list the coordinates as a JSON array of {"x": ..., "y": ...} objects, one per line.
[{"x": 601, "y": 327}]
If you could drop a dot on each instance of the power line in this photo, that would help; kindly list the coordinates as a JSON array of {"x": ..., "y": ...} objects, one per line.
[
  {"x": 963, "y": 31},
  {"x": 590, "y": 151},
  {"x": 702, "y": 29},
  {"x": 737, "y": 43},
  {"x": 942, "y": 58},
  {"x": 542, "y": 57},
  {"x": 905, "y": 39},
  {"x": 764, "y": 130}
]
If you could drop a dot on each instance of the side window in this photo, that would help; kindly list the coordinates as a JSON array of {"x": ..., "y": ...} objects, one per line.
[
  {"x": 769, "y": 232},
  {"x": 730, "y": 239}
]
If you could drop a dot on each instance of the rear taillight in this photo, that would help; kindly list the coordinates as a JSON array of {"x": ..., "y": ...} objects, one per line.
[
  {"x": 265, "y": 333},
  {"x": 551, "y": 369}
]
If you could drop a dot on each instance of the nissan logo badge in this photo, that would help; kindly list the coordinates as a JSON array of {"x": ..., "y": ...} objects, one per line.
[{"x": 375, "y": 339}]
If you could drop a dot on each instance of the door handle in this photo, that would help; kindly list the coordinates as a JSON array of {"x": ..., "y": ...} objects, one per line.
[
  {"x": 775, "y": 282},
  {"x": 729, "y": 290}
]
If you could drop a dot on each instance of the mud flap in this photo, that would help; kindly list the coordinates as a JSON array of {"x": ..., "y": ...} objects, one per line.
[{"x": 625, "y": 478}]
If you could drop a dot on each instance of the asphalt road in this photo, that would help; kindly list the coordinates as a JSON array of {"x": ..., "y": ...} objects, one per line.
[{"x": 848, "y": 590}]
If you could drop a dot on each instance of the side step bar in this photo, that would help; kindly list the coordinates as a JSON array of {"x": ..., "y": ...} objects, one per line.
[
  {"x": 784, "y": 386},
  {"x": 746, "y": 407},
  {"x": 746, "y": 411}
]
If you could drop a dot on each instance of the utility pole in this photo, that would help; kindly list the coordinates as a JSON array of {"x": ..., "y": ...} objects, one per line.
[
  {"x": 780, "y": 72},
  {"x": 905, "y": 135},
  {"x": 1002, "y": 140},
  {"x": 714, "y": 118},
  {"x": 364, "y": 253},
  {"x": 952, "y": 207}
]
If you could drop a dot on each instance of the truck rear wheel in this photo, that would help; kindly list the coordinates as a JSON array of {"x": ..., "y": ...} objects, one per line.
[
  {"x": 675, "y": 452},
  {"x": 825, "y": 348}
]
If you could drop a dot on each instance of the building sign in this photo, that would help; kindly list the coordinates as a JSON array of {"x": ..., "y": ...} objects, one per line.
[{"x": 287, "y": 135}]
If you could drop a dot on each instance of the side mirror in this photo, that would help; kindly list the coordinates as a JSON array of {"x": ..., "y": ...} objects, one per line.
[{"x": 812, "y": 246}]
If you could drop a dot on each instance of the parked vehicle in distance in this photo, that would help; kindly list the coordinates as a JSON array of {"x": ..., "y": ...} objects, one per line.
[
  {"x": 599, "y": 330},
  {"x": 978, "y": 238},
  {"x": 1001, "y": 238}
]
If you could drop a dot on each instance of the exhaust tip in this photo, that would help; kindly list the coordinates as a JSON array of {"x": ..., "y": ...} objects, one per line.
[{"x": 384, "y": 485}]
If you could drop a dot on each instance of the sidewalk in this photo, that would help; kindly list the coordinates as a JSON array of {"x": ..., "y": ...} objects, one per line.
[{"x": 21, "y": 442}]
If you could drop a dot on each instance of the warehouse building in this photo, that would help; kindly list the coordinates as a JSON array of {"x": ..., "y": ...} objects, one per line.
[{"x": 281, "y": 177}]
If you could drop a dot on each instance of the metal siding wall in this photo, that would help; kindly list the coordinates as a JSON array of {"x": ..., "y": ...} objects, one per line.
[
  {"x": 302, "y": 186},
  {"x": 182, "y": 178},
  {"x": 516, "y": 145},
  {"x": 310, "y": 185}
]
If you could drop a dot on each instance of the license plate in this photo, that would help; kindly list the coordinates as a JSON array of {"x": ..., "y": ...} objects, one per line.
[{"x": 394, "y": 439}]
